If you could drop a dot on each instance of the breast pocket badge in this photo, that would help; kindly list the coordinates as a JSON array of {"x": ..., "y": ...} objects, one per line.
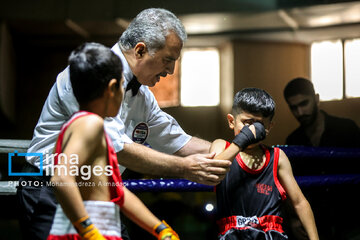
[{"x": 140, "y": 133}]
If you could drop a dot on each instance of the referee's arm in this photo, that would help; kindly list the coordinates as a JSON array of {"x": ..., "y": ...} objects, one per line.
[{"x": 201, "y": 168}]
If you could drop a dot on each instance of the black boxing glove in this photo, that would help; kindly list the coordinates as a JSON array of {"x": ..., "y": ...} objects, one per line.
[
  {"x": 246, "y": 137},
  {"x": 259, "y": 131}
]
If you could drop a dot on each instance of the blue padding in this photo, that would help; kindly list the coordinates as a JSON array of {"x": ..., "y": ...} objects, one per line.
[
  {"x": 182, "y": 185},
  {"x": 320, "y": 152},
  {"x": 305, "y": 160},
  {"x": 328, "y": 180},
  {"x": 166, "y": 185}
]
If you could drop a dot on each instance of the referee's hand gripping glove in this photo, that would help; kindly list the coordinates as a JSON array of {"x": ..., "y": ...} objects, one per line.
[
  {"x": 87, "y": 229},
  {"x": 164, "y": 232},
  {"x": 246, "y": 137}
]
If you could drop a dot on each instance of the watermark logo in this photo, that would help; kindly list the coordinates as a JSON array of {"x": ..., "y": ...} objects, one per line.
[
  {"x": 15, "y": 154},
  {"x": 67, "y": 165}
]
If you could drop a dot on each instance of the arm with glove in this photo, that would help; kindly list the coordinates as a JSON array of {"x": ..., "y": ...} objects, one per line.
[
  {"x": 136, "y": 211},
  {"x": 248, "y": 135}
]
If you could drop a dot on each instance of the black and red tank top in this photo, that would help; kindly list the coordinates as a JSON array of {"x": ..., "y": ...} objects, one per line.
[
  {"x": 115, "y": 181},
  {"x": 249, "y": 198}
]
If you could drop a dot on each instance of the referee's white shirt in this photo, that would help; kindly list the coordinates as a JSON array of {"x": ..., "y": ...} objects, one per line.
[{"x": 164, "y": 135}]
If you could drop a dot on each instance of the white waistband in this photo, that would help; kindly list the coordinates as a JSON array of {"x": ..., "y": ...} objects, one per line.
[{"x": 104, "y": 215}]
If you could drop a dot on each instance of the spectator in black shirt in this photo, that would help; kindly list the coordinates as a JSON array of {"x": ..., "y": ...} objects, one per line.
[{"x": 317, "y": 128}]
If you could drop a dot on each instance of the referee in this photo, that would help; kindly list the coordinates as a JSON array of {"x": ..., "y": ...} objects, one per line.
[{"x": 148, "y": 49}]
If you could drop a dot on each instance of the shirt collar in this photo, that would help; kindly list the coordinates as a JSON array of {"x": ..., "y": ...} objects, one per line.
[{"x": 128, "y": 74}]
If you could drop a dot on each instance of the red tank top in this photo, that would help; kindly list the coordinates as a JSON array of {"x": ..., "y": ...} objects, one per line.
[{"x": 115, "y": 181}]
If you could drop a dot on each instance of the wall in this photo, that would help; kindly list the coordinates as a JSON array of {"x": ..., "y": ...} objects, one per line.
[
  {"x": 270, "y": 65},
  {"x": 210, "y": 122},
  {"x": 267, "y": 65},
  {"x": 347, "y": 108},
  {"x": 202, "y": 122},
  {"x": 7, "y": 81}
]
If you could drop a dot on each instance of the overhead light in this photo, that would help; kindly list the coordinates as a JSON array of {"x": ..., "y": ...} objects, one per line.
[{"x": 209, "y": 207}]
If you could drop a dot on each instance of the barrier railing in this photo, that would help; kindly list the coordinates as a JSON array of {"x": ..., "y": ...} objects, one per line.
[{"x": 10, "y": 145}]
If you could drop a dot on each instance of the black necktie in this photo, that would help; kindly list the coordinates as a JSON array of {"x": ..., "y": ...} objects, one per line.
[{"x": 134, "y": 85}]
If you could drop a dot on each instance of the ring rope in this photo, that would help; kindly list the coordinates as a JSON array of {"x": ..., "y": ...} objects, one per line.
[{"x": 182, "y": 185}]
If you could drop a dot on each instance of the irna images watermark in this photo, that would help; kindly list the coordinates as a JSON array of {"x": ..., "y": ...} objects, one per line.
[{"x": 67, "y": 165}]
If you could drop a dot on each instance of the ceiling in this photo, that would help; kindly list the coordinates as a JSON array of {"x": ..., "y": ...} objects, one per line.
[
  {"x": 63, "y": 21},
  {"x": 304, "y": 24}
]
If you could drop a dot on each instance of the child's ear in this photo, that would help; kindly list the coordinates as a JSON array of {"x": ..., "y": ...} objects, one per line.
[
  {"x": 112, "y": 87},
  {"x": 267, "y": 130},
  {"x": 317, "y": 99},
  {"x": 140, "y": 49},
  {"x": 231, "y": 121}
]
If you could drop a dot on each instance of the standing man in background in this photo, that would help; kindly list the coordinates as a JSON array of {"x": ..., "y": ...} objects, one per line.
[
  {"x": 148, "y": 49},
  {"x": 317, "y": 128}
]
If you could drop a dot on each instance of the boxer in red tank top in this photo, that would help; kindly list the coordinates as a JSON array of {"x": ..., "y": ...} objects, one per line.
[{"x": 86, "y": 177}]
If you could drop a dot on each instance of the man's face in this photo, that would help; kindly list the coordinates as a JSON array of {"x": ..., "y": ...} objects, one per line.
[
  {"x": 304, "y": 108},
  {"x": 149, "y": 68}
]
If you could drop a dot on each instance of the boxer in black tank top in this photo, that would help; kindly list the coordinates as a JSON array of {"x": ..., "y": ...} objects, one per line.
[{"x": 260, "y": 177}]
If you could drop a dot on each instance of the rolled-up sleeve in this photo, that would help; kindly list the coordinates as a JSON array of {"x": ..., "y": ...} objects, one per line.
[
  {"x": 166, "y": 135},
  {"x": 115, "y": 128}
]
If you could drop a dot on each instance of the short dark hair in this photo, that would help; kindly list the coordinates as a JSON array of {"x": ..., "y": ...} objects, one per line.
[
  {"x": 254, "y": 100},
  {"x": 299, "y": 86},
  {"x": 92, "y": 66}
]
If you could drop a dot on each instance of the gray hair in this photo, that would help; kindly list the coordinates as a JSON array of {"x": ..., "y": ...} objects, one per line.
[{"x": 151, "y": 26}]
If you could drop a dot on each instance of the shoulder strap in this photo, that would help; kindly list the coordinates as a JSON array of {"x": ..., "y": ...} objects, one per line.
[
  {"x": 58, "y": 146},
  {"x": 275, "y": 173}
]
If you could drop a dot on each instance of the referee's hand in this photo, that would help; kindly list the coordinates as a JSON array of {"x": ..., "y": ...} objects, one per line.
[{"x": 202, "y": 168}]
